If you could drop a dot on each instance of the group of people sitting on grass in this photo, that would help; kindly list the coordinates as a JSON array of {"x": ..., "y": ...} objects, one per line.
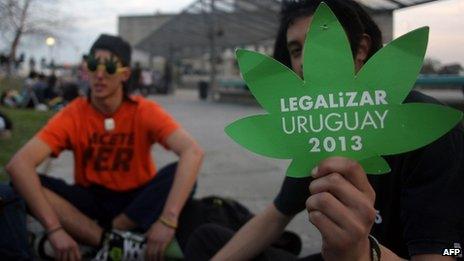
[{"x": 40, "y": 92}]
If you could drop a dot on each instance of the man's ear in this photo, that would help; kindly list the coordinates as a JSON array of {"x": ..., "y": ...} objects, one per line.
[{"x": 363, "y": 50}]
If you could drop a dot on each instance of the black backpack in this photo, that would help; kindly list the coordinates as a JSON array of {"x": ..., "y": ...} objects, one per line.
[
  {"x": 225, "y": 212},
  {"x": 231, "y": 214}
]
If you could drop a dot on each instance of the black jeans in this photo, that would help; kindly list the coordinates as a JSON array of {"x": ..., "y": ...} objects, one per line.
[
  {"x": 13, "y": 234},
  {"x": 208, "y": 239}
]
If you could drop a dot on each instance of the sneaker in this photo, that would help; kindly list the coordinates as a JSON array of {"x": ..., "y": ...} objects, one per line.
[{"x": 122, "y": 245}]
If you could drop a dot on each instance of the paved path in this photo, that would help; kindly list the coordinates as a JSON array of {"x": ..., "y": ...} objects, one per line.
[{"x": 228, "y": 169}]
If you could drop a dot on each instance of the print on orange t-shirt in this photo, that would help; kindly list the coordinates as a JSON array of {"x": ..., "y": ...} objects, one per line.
[{"x": 118, "y": 159}]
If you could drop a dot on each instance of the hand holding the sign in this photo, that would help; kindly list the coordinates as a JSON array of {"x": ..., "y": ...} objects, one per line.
[{"x": 341, "y": 206}]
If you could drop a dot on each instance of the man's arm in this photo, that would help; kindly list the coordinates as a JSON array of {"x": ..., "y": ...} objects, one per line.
[
  {"x": 24, "y": 177},
  {"x": 255, "y": 236},
  {"x": 190, "y": 158}
]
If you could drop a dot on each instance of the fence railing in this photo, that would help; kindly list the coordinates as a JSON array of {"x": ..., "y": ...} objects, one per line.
[{"x": 443, "y": 80}]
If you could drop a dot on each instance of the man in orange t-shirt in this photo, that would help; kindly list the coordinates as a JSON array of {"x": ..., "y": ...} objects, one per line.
[{"x": 117, "y": 186}]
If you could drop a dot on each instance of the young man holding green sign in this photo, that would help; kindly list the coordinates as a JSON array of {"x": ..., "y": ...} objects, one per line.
[{"x": 414, "y": 212}]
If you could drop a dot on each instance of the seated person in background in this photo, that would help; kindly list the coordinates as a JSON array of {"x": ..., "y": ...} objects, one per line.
[
  {"x": 117, "y": 184},
  {"x": 39, "y": 88},
  {"x": 11, "y": 98},
  {"x": 29, "y": 98},
  {"x": 5, "y": 126},
  {"x": 414, "y": 212}
]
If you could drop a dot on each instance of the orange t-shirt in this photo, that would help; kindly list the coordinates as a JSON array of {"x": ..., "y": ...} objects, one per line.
[{"x": 117, "y": 159}]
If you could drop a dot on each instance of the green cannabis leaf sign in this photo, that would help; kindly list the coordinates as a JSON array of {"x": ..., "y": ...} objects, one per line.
[{"x": 334, "y": 111}]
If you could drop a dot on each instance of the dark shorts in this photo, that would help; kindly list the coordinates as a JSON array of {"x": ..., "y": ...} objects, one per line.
[{"x": 142, "y": 205}]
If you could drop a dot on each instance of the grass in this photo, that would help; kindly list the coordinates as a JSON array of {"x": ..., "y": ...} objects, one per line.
[{"x": 26, "y": 123}]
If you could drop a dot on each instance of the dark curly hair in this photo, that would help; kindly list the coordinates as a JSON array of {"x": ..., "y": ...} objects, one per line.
[{"x": 354, "y": 19}]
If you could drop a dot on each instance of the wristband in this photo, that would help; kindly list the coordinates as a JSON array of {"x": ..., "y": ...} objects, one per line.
[
  {"x": 375, "y": 248},
  {"x": 168, "y": 223},
  {"x": 51, "y": 231}
]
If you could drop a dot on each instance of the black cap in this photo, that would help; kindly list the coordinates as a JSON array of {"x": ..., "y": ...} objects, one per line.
[{"x": 115, "y": 45}]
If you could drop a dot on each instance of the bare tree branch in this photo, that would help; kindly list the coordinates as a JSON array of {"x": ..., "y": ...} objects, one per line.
[{"x": 28, "y": 17}]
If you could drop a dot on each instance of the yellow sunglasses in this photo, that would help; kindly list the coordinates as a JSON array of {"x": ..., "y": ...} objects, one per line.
[{"x": 109, "y": 65}]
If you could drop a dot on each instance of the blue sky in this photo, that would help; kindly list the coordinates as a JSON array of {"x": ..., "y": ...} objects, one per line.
[{"x": 90, "y": 18}]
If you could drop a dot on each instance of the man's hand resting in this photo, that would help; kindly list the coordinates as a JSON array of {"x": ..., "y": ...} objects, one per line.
[{"x": 64, "y": 246}]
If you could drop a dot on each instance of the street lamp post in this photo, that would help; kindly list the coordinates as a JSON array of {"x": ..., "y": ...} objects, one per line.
[{"x": 50, "y": 41}]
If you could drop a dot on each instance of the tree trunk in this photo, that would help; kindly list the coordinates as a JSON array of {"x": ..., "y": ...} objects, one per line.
[
  {"x": 18, "y": 33},
  {"x": 12, "y": 55}
]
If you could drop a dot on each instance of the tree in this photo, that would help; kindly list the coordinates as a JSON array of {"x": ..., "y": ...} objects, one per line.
[
  {"x": 19, "y": 18},
  {"x": 430, "y": 66},
  {"x": 451, "y": 69}
]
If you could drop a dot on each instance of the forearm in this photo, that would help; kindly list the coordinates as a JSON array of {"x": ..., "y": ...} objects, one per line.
[
  {"x": 27, "y": 183},
  {"x": 184, "y": 180},
  {"x": 255, "y": 236}
]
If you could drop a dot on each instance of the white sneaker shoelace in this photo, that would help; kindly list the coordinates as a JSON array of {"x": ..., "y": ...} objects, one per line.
[
  {"x": 134, "y": 247},
  {"x": 122, "y": 245}
]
